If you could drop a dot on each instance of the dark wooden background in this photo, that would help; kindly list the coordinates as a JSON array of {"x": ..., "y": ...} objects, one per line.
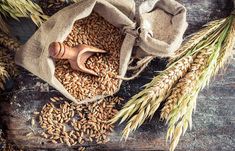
[{"x": 213, "y": 121}]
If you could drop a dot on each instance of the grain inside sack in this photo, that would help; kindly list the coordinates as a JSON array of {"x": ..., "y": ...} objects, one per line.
[{"x": 95, "y": 31}]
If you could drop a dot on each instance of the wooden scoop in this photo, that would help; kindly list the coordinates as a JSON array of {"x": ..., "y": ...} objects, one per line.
[{"x": 77, "y": 56}]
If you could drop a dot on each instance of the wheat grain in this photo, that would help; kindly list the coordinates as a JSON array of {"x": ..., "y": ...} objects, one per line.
[
  {"x": 95, "y": 31},
  {"x": 72, "y": 124},
  {"x": 29, "y": 134},
  {"x": 32, "y": 122}
]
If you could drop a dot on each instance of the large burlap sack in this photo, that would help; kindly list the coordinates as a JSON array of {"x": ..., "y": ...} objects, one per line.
[{"x": 34, "y": 55}]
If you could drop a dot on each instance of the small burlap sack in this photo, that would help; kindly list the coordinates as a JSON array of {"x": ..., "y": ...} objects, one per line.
[
  {"x": 162, "y": 25},
  {"x": 34, "y": 55}
]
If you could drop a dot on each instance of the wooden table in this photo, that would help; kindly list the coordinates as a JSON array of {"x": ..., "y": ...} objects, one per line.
[{"x": 213, "y": 122}]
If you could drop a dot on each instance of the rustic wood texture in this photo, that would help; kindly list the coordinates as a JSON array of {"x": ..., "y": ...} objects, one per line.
[{"x": 213, "y": 121}]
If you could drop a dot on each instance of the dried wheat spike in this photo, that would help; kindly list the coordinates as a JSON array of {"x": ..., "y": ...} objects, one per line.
[
  {"x": 8, "y": 42},
  {"x": 185, "y": 85},
  {"x": 162, "y": 83},
  {"x": 180, "y": 105},
  {"x": 7, "y": 66},
  {"x": 196, "y": 38},
  {"x": 23, "y": 8},
  {"x": 227, "y": 52},
  {"x": 3, "y": 76},
  {"x": 147, "y": 101}
]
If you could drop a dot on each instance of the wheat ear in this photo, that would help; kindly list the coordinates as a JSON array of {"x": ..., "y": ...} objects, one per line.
[
  {"x": 203, "y": 68},
  {"x": 144, "y": 104}
]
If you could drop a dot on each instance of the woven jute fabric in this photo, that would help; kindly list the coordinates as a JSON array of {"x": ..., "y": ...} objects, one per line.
[
  {"x": 162, "y": 25},
  {"x": 34, "y": 55}
]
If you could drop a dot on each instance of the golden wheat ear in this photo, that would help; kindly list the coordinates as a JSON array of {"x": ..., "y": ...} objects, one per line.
[
  {"x": 210, "y": 57},
  {"x": 23, "y": 8},
  {"x": 8, "y": 42},
  {"x": 143, "y": 105}
]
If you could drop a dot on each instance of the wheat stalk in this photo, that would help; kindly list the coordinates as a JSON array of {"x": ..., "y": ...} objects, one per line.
[
  {"x": 7, "y": 61},
  {"x": 3, "y": 76},
  {"x": 9, "y": 42},
  {"x": 7, "y": 65},
  {"x": 3, "y": 26},
  {"x": 227, "y": 52},
  {"x": 23, "y": 8},
  {"x": 194, "y": 39},
  {"x": 184, "y": 86},
  {"x": 177, "y": 103},
  {"x": 144, "y": 104},
  {"x": 178, "y": 113}
]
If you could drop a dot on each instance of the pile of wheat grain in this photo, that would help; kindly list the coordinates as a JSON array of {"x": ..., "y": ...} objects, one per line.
[
  {"x": 64, "y": 122},
  {"x": 94, "y": 31}
]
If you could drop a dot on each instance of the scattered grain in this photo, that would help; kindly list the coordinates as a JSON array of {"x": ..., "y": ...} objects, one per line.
[{"x": 76, "y": 124}]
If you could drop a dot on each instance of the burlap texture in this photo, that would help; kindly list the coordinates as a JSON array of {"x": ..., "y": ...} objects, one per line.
[
  {"x": 34, "y": 55},
  {"x": 162, "y": 25}
]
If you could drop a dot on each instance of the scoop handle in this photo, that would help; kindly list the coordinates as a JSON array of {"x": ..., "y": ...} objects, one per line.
[{"x": 61, "y": 51}]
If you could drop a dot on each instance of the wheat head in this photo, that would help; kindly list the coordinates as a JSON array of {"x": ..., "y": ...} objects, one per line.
[
  {"x": 185, "y": 84},
  {"x": 8, "y": 42},
  {"x": 23, "y": 8},
  {"x": 227, "y": 52},
  {"x": 3, "y": 26},
  {"x": 144, "y": 104},
  {"x": 195, "y": 38},
  {"x": 3, "y": 76},
  {"x": 178, "y": 114}
]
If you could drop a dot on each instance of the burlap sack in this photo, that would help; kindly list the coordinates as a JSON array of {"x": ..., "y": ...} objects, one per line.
[
  {"x": 34, "y": 55},
  {"x": 162, "y": 25}
]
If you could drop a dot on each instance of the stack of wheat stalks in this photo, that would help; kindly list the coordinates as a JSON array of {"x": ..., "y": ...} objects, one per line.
[
  {"x": 15, "y": 9},
  {"x": 95, "y": 31},
  {"x": 23, "y": 8},
  {"x": 7, "y": 65},
  {"x": 179, "y": 84},
  {"x": 72, "y": 124}
]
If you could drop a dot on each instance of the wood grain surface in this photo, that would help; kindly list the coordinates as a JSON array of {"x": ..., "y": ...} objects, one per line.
[{"x": 213, "y": 121}]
